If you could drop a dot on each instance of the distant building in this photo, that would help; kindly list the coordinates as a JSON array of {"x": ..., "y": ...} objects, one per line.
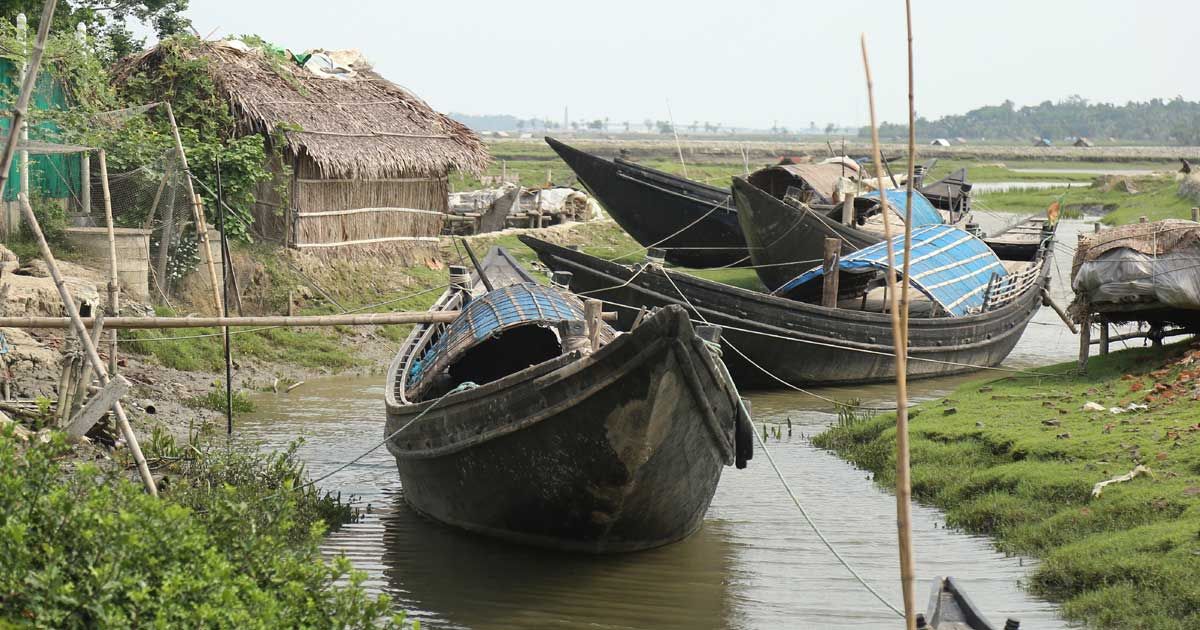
[
  {"x": 940, "y": 142},
  {"x": 1082, "y": 142},
  {"x": 1042, "y": 142}
]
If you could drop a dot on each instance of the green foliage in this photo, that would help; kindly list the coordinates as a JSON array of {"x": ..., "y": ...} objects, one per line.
[
  {"x": 1174, "y": 121},
  {"x": 51, "y": 217},
  {"x": 232, "y": 542},
  {"x": 1019, "y": 460},
  {"x": 1156, "y": 199},
  {"x": 106, "y": 20},
  {"x": 216, "y": 400}
]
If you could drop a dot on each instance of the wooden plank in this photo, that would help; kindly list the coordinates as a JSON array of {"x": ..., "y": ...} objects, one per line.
[{"x": 97, "y": 406}]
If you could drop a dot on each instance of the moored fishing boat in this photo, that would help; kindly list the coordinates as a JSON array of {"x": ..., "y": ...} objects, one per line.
[
  {"x": 696, "y": 224},
  {"x": 507, "y": 423},
  {"x": 769, "y": 338},
  {"x": 784, "y": 239}
]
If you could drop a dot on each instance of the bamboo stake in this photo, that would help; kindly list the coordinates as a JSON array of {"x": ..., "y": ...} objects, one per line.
[
  {"x": 678, "y": 147},
  {"x": 197, "y": 211},
  {"x": 114, "y": 283},
  {"x": 80, "y": 328},
  {"x": 361, "y": 319},
  {"x": 903, "y": 481},
  {"x": 912, "y": 165}
]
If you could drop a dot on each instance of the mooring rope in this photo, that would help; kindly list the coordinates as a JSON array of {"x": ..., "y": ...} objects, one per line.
[
  {"x": 677, "y": 232},
  {"x": 787, "y": 487}
]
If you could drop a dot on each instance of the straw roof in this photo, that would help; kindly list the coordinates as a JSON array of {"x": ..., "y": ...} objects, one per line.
[{"x": 364, "y": 127}]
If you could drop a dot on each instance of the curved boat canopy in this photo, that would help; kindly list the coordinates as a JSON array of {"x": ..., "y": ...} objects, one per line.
[
  {"x": 949, "y": 265},
  {"x": 533, "y": 309},
  {"x": 923, "y": 212}
]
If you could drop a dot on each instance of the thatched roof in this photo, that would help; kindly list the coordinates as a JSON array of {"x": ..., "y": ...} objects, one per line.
[{"x": 364, "y": 127}]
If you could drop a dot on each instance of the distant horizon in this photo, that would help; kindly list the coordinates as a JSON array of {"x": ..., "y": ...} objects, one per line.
[{"x": 755, "y": 64}]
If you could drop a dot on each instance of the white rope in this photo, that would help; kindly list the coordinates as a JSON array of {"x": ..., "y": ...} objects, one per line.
[{"x": 677, "y": 232}]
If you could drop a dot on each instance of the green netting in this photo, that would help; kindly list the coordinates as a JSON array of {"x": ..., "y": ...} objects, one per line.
[{"x": 53, "y": 176}]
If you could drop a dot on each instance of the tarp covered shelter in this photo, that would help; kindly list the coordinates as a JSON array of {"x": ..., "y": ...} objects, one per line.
[
  {"x": 923, "y": 212},
  {"x": 949, "y": 266}
]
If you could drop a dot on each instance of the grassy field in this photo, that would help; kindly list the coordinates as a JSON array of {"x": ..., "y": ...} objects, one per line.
[
  {"x": 1157, "y": 198},
  {"x": 1017, "y": 459}
]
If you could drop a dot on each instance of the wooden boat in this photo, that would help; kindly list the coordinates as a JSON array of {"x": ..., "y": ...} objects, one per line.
[
  {"x": 951, "y": 609},
  {"x": 951, "y": 193},
  {"x": 767, "y": 339},
  {"x": 695, "y": 223},
  {"x": 784, "y": 240},
  {"x": 497, "y": 429}
]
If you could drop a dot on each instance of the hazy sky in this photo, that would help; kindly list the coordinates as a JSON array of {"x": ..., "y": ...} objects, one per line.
[{"x": 744, "y": 63}]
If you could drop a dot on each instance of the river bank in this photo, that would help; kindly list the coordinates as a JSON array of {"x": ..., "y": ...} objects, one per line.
[{"x": 1017, "y": 459}]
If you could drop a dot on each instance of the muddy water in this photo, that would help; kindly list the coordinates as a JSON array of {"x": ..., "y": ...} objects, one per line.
[{"x": 755, "y": 564}]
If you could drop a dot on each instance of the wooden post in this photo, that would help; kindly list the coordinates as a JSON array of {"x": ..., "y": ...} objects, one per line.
[
  {"x": 591, "y": 314},
  {"x": 1096, "y": 227},
  {"x": 833, "y": 256},
  {"x": 1085, "y": 341},
  {"x": 197, "y": 210},
  {"x": 1142, "y": 219},
  {"x": 85, "y": 182},
  {"x": 1196, "y": 214},
  {"x": 1103, "y": 336},
  {"x": 162, "y": 185},
  {"x": 848, "y": 209},
  {"x": 114, "y": 282},
  {"x": 165, "y": 236}
]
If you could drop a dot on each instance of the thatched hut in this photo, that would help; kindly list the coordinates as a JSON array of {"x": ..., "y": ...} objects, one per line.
[{"x": 363, "y": 161}]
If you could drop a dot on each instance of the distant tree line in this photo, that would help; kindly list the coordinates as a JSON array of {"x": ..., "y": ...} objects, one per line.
[{"x": 1174, "y": 121}]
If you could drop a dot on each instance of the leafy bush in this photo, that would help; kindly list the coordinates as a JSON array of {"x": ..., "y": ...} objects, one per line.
[
  {"x": 231, "y": 543},
  {"x": 215, "y": 399}
]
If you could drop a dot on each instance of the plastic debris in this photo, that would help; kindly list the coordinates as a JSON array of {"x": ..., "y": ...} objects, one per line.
[
  {"x": 1129, "y": 476},
  {"x": 1091, "y": 406}
]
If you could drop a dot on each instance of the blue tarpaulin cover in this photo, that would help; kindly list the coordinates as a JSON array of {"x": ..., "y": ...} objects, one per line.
[
  {"x": 923, "y": 212},
  {"x": 495, "y": 312},
  {"x": 949, "y": 265}
]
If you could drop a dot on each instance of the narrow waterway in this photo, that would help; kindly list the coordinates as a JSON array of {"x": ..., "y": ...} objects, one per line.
[{"x": 755, "y": 564}]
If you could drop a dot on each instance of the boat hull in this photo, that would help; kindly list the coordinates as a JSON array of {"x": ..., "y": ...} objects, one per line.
[
  {"x": 613, "y": 452},
  {"x": 766, "y": 339},
  {"x": 783, "y": 241},
  {"x": 696, "y": 224}
]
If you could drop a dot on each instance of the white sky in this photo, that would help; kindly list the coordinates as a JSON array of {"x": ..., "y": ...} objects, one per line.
[{"x": 746, "y": 63}]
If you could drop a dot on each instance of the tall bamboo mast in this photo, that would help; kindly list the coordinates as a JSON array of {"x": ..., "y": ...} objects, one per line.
[
  {"x": 903, "y": 481},
  {"x": 85, "y": 339},
  {"x": 912, "y": 166}
]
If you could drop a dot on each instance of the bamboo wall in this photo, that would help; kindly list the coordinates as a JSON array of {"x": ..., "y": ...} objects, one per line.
[{"x": 321, "y": 212}]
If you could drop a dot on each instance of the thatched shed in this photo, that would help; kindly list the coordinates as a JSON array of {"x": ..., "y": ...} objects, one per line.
[{"x": 363, "y": 160}]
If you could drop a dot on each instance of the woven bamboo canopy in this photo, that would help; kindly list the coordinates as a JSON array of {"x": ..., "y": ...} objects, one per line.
[{"x": 362, "y": 127}]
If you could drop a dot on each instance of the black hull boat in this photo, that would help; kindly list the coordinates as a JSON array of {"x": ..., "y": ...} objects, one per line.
[
  {"x": 784, "y": 240},
  {"x": 614, "y": 450},
  {"x": 768, "y": 339},
  {"x": 695, "y": 223}
]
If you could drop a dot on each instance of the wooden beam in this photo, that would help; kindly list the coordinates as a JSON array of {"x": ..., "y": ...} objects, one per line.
[
  {"x": 362, "y": 319},
  {"x": 96, "y": 407}
]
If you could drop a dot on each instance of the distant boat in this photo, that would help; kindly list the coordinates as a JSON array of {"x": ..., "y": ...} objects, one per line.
[
  {"x": 519, "y": 431},
  {"x": 955, "y": 327},
  {"x": 951, "y": 609},
  {"x": 696, "y": 224}
]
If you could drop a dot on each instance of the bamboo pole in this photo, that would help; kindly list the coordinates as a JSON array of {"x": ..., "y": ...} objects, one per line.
[
  {"x": 360, "y": 319},
  {"x": 829, "y": 289},
  {"x": 903, "y": 480},
  {"x": 912, "y": 165},
  {"x": 197, "y": 211},
  {"x": 678, "y": 147},
  {"x": 114, "y": 282},
  {"x": 76, "y": 322}
]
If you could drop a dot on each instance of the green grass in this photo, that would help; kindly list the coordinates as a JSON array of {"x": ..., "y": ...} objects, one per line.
[
  {"x": 1156, "y": 199},
  {"x": 215, "y": 400},
  {"x": 1019, "y": 457}
]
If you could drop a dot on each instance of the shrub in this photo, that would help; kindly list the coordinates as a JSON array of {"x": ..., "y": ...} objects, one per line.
[{"x": 231, "y": 542}]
